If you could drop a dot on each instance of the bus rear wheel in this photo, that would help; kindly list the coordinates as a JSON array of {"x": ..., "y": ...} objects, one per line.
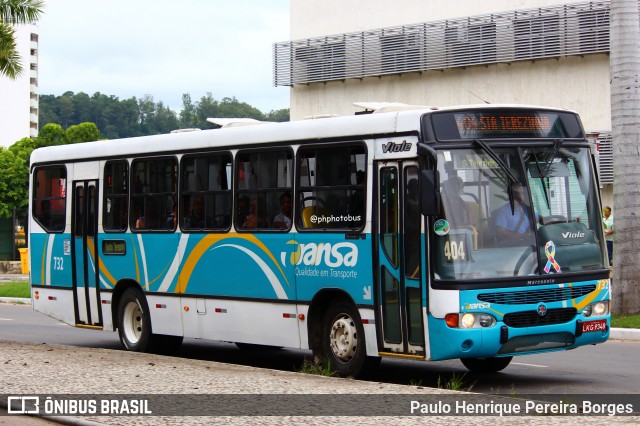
[
  {"x": 486, "y": 365},
  {"x": 134, "y": 322},
  {"x": 343, "y": 344}
]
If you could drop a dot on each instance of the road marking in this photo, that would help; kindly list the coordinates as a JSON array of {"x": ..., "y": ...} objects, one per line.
[
  {"x": 530, "y": 365},
  {"x": 6, "y": 319}
]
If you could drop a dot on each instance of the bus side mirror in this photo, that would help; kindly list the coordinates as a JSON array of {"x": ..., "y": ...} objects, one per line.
[{"x": 429, "y": 193}]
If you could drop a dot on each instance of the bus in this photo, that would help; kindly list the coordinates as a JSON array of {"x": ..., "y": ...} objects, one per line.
[{"x": 469, "y": 232}]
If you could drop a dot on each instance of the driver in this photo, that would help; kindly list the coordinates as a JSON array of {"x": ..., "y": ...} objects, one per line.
[{"x": 513, "y": 224}]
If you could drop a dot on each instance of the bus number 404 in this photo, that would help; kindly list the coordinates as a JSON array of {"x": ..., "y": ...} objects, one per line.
[{"x": 454, "y": 250}]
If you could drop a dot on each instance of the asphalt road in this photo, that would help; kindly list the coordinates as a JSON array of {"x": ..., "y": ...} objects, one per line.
[{"x": 602, "y": 369}]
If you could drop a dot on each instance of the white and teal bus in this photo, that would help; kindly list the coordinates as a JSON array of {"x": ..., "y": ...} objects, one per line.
[{"x": 468, "y": 232}]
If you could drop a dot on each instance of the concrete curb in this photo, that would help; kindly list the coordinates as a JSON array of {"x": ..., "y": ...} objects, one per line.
[
  {"x": 628, "y": 334},
  {"x": 18, "y": 300}
]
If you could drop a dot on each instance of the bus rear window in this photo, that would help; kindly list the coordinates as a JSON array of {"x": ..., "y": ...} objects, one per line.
[{"x": 50, "y": 198}]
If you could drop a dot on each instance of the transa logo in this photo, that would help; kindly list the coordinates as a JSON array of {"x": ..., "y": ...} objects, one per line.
[{"x": 312, "y": 254}]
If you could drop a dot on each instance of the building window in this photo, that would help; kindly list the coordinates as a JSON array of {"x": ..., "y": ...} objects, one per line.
[
  {"x": 537, "y": 37},
  {"x": 206, "y": 192},
  {"x": 594, "y": 30},
  {"x": 326, "y": 61},
  {"x": 400, "y": 52},
  {"x": 482, "y": 42}
]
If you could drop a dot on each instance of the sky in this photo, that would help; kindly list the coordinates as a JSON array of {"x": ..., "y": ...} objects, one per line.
[{"x": 163, "y": 48}]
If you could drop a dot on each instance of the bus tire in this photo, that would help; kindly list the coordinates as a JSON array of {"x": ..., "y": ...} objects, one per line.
[
  {"x": 343, "y": 344},
  {"x": 486, "y": 365},
  {"x": 134, "y": 321}
]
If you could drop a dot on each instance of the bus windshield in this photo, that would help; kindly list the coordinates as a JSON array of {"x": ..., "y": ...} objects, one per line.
[{"x": 509, "y": 211}]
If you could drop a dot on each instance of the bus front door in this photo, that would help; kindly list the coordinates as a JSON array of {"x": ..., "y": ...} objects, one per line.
[
  {"x": 84, "y": 251},
  {"x": 398, "y": 232}
]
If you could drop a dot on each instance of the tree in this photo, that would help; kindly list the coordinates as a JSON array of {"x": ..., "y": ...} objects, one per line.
[
  {"x": 14, "y": 12},
  {"x": 83, "y": 132},
  {"x": 51, "y": 134},
  {"x": 625, "y": 117},
  {"x": 188, "y": 114},
  {"x": 14, "y": 177},
  {"x": 279, "y": 115}
]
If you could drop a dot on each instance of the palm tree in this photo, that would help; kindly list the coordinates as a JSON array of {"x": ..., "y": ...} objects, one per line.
[
  {"x": 14, "y": 12},
  {"x": 625, "y": 120}
]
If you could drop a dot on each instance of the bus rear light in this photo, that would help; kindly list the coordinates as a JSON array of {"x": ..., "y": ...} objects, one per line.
[{"x": 452, "y": 320}]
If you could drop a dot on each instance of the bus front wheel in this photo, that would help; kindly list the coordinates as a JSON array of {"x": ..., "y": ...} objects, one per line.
[
  {"x": 134, "y": 322},
  {"x": 486, "y": 365},
  {"x": 343, "y": 343}
]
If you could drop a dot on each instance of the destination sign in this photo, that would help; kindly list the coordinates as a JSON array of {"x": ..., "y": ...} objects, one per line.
[{"x": 505, "y": 124}]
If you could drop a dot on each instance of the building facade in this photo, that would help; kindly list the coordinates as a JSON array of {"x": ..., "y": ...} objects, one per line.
[
  {"x": 447, "y": 52},
  {"x": 19, "y": 97}
]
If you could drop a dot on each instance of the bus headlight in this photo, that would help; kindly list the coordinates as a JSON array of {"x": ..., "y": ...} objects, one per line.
[
  {"x": 596, "y": 309},
  {"x": 476, "y": 320},
  {"x": 467, "y": 320}
]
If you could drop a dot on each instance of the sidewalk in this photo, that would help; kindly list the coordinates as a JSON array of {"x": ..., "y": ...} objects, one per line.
[{"x": 186, "y": 384}]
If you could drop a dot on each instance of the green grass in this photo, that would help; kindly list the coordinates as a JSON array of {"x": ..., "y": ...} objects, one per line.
[
  {"x": 625, "y": 321},
  {"x": 15, "y": 289},
  {"x": 323, "y": 369},
  {"x": 455, "y": 383}
]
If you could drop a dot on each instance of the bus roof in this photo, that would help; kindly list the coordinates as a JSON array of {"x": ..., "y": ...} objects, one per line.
[{"x": 404, "y": 121}]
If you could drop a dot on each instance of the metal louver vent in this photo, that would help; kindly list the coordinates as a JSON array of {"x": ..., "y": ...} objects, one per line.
[
  {"x": 605, "y": 158},
  {"x": 546, "y": 32}
]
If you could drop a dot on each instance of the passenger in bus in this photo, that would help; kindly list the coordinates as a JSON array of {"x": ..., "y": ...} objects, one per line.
[
  {"x": 457, "y": 210},
  {"x": 46, "y": 219},
  {"x": 196, "y": 218},
  {"x": 283, "y": 219},
  {"x": 150, "y": 218},
  {"x": 513, "y": 226},
  {"x": 251, "y": 218}
]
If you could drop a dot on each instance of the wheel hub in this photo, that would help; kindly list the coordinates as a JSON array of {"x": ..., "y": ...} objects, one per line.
[
  {"x": 133, "y": 322},
  {"x": 343, "y": 338}
]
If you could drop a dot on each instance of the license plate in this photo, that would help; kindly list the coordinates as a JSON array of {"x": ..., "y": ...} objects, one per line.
[{"x": 598, "y": 325}]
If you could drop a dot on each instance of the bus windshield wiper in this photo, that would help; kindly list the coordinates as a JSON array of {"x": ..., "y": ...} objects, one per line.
[
  {"x": 512, "y": 179},
  {"x": 489, "y": 151},
  {"x": 541, "y": 175},
  {"x": 552, "y": 155}
]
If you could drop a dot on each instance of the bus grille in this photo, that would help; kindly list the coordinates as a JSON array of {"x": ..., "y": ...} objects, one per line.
[
  {"x": 537, "y": 342},
  {"x": 536, "y": 296},
  {"x": 532, "y": 319}
]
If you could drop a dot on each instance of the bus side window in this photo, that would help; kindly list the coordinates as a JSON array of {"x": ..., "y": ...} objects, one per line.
[
  {"x": 332, "y": 187},
  {"x": 263, "y": 177},
  {"x": 49, "y": 198}
]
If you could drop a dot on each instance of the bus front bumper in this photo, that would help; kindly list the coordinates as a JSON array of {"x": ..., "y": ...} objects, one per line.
[{"x": 501, "y": 340}]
